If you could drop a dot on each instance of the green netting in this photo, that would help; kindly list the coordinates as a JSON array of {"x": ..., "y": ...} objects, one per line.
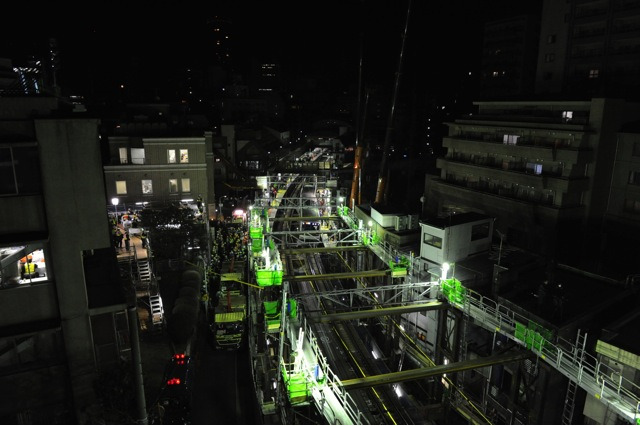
[{"x": 268, "y": 277}]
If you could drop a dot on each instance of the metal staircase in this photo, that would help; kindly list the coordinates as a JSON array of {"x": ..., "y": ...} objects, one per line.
[
  {"x": 571, "y": 360},
  {"x": 157, "y": 311}
]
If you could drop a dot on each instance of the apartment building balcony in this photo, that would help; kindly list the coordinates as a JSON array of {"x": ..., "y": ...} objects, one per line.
[
  {"x": 560, "y": 150},
  {"x": 515, "y": 175},
  {"x": 552, "y": 120},
  {"x": 502, "y": 199}
]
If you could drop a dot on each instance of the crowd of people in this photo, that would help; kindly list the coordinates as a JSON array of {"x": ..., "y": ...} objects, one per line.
[{"x": 230, "y": 241}]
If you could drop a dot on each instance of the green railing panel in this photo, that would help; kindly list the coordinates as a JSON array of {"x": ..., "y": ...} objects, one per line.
[
  {"x": 268, "y": 277},
  {"x": 255, "y": 232},
  {"x": 292, "y": 308}
]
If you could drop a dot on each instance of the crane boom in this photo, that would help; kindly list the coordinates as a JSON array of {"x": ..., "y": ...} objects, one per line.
[{"x": 381, "y": 192}]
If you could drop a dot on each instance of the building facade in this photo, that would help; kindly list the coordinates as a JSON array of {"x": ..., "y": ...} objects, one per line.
[
  {"x": 542, "y": 169},
  {"x": 61, "y": 324},
  {"x": 144, "y": 170},
  {"x": 590, "y": 48}
]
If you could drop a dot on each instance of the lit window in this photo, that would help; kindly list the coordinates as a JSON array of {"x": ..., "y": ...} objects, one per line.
[
  {"x": 567, "y": 115},
  {"x": 510, "y": 139},
  {"x": 147, "y": 186},
  {"x": 594, "y": 73},
  {"x": 534, "y": 168},
  {"x": 124, "y": 158},
  {"x": 171, "y": 156},
  {"x": 186, "y": 185},
  {"x": 121, "y": 187},
  {"x": 184, "y": 155},
  {"x": 173, "y": 186},
  {"x": 137, "y": 155}
]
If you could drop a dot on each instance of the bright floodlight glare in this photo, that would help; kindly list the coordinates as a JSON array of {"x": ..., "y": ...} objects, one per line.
[
  {"x": 370, "y": 223},
  {"x": 115, "y": 201},
  {"x": 445, "y": 266},
  {"x": 341, "y": 199}
]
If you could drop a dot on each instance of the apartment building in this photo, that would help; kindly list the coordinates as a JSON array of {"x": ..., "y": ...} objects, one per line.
[
  {"x": 64, "y": 322},
  {"x": 589, "y": 48},
  {"x": 542, "y": 169}
]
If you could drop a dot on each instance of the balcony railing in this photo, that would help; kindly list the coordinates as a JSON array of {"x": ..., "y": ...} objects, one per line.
[{"x": 502, "y": 191}]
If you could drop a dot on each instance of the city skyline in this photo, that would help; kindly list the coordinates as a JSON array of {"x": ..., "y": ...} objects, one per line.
[{"x": 113, "y": 47}]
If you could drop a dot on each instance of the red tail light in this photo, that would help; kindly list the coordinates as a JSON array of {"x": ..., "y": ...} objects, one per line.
[{"x": 174, "y": 381}]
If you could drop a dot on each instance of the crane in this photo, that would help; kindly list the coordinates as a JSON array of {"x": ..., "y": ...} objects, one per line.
[{"x": 382, "y": 190}]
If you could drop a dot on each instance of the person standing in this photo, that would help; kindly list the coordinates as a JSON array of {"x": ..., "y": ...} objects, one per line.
[
  {"x": 143, "y": 239},
  {"x": 118, "y": 236},
  {"x": 127, "y": 242}
]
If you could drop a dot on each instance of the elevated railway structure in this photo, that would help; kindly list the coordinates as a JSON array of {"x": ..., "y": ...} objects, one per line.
[{"x": 331, "y": 323}]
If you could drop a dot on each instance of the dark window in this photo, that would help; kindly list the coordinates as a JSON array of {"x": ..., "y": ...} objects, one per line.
[
  {"x": 551, "y": 38},
  {"x": 7, "y": 181},
  {"x": 19, "y": 164},
  {"x": 27, "y": 168},
  {"x": 479, "y": 231},
  {"x": 634, "y": 178},
  {"x": 549, "y": 57},
  {"x": 632, "y": 206},
  {"x": 636, "y": 149},
  {"x": 432, "y": 240}
]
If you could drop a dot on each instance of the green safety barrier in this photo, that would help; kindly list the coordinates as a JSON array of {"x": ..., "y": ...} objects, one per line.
[
  {"x": 272, "y": 315},
  {"x": 268, "y": 277},
  {"x": 534, "y": 335},
  {"x": 298, "y": 387},
  {"x": 453, "y": 290},
  {"x": 256, "y": 245},
  {"x": 255, "y": 232},
  {"x": 292, "y": 308}
]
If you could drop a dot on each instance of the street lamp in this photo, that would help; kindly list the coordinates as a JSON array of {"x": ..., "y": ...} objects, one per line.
[
  {"x": 115, "y": 203},
  {"x": 445, "y": 268}
]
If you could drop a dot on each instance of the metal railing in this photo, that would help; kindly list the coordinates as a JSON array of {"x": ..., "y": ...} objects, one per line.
[
  {"x": 330, "y": 382},
  {"x": 596, "y": 378}
]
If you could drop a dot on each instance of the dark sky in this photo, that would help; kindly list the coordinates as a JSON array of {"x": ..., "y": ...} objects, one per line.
[{"x": 103, "y": 43}]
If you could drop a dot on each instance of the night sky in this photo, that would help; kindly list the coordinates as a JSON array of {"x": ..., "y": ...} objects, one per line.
[{"x": 104, "y": 44}]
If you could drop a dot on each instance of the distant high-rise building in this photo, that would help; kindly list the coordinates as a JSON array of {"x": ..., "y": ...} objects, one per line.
[
  {"x": 221, "y": 31},
  {"x": 589, "y": 49},
  {"x": 509, "y": 57}
]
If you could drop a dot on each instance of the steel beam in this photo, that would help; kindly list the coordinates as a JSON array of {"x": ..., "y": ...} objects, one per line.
[
  {"x": 336, "y": 275},
  {"x": 304, "y": 218},
  {"x": 420, "y": 373},
  {"x": 370, "y": 313},
  {"x": 321, "y": 249}
]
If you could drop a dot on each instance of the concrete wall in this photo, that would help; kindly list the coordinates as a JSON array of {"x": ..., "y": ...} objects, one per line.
[
  {"x": 73, "y": 188},
  {"x": 28, "y": 303}
]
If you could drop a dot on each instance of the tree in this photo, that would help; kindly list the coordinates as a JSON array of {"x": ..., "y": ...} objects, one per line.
[{"x": 172, "y": 228}]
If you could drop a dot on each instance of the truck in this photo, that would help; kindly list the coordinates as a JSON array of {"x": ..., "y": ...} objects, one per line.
[{"x": 230, "y": 312}]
